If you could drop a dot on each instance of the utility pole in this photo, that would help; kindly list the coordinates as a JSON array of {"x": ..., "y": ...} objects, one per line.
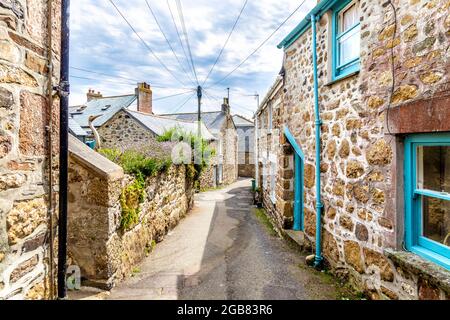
[
  {"x": 199, "y": 96},
  {"x": 228, "y": 89}
]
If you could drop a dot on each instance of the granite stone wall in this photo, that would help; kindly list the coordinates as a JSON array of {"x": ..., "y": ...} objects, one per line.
[
  {"x": 24, "y": 146},
  {"x": 361, "y": 158},
  {"x": 98, "y": 245}
]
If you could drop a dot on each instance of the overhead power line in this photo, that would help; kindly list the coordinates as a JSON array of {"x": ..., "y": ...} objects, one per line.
[
  {"x": 145, "y": 44},
  {"x": 173, "y": 95},
  {"x": 179, "y": 38},
  {"x": 260, "y": 46},
  {"x": 214, "y": 97},
  {"x": 226, "y": 42},
  {"x": 186, "y": 37},
  {"x": 91, "y": 79},
  {"x": 183, "y": 104},
  {"x": 167, "y": 40},
  {"x": 111, "y": 76}
]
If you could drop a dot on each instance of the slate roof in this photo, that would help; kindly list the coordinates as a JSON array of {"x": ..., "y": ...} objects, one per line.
[
  {"x": 107, "y": 107},
  {"x": 76, "y": 129},
  {"x": 213, "y": 120},
  {"x": 241, "y": 121},
  {"x": 159, "y": 125}
]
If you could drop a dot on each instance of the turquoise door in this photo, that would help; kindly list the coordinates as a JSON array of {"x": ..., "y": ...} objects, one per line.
[
  {"x": 299, "y": 168},
  {"x": 298, "y": 191}
]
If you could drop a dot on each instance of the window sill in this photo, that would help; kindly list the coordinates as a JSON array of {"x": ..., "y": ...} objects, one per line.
[
  {"x": 332, "y": 82},
  {"x": 435, "y": 274}
]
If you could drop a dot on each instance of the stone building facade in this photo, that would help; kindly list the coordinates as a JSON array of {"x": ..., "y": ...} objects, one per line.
[
  {"x": 397, "y": 93},
  {"x": 246, "y": 146},
  {"x": 25, "y": 132}
]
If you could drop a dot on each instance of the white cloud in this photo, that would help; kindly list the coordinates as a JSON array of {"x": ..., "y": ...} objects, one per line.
[{"x": 102, "y": 42}]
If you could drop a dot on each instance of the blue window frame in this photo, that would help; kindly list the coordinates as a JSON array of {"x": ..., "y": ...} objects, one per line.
[
  {"x": 345, "y": 39},
  {"x": 299, "y": 166},
  {"x": 427, "y": 196}
]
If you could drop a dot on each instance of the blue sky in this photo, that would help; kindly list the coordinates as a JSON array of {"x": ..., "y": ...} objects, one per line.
[{"x": 101, "y": 41}]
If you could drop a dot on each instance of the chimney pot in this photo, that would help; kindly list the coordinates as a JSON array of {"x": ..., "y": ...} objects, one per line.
[{"x": 91, "y": 95}]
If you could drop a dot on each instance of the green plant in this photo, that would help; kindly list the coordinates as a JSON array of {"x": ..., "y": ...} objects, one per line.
[{"x": 131, "y": 199}]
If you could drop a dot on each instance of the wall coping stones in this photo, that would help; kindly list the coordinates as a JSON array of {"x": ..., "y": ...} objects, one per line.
[
  {"x": 425, "y": 269},
  {"x": 94, "y": 161}
]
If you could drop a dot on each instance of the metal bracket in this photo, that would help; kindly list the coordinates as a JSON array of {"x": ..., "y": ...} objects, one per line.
[{"x": 63, "y": 89}]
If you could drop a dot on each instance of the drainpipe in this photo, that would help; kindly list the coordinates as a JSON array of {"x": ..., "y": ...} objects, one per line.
[
  {"x": 50, "y": 145},
  {"x": 318, "y": 124},
  {"x": 64, "y": 90}
]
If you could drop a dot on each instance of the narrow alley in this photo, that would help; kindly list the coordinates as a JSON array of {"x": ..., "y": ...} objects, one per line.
[{"x": 222, "y": 251}]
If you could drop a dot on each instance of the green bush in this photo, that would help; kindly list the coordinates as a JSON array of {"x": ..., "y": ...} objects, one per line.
[{"x": 131, "y": 199}]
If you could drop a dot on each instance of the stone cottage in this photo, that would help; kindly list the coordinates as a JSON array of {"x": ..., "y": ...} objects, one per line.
[
  {"x": 29, "y": 119},
  {"x": 364, "y": 143},
  {"x": 246, "y": 146},
  {"x": 269, "y": 123},
  {"x": 224, "y": 169}
]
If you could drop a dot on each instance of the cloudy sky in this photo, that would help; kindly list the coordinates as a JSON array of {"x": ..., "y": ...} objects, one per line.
[{"x": 102, "y": 42}]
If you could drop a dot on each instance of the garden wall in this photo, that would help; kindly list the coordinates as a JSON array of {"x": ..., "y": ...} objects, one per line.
[{"x": 98, "y": 243}]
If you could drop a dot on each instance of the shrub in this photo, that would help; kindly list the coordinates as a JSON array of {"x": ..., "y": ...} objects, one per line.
[{"x": 131, "y": 199}]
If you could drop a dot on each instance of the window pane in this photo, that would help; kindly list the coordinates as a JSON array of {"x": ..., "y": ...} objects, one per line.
[
  {"x": 436, "y": 220},
  {"x": 433, "y": 168},
  {"x": 350, "y": 17},
  {"x": 349, "y": 46}
]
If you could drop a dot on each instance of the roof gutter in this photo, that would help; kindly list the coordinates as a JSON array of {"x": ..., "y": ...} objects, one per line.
[{"x": 305, "y": 24}]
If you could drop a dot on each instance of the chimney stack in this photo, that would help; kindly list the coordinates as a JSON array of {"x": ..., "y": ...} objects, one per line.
[
  {"x": 92, "y": 95},
  {"x": 226, "y": 106},
  {"x": 145, "y": 98}
]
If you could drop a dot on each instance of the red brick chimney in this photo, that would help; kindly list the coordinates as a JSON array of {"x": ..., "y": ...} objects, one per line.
[
  {"x": 145, "y": 98},
  {"x": 92, "y": 95}
]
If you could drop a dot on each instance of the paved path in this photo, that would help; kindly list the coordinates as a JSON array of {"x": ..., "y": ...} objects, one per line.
[{"x": 222, "y": 251}]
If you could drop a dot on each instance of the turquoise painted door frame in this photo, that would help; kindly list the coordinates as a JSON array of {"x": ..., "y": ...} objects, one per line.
[{"x": 298, "y": 182}]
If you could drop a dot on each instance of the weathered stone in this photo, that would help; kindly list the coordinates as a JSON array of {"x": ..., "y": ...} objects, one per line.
[
  {"x": 423, "y": 45},
  {"x": 34, "y": 243},
  {"x": 404, "y": 93},
  {"x": 23, "y": 42},
  {"x": 411, "y": 33},
  {"x": 406, "y": 19},
  {"x": 310, "y": 222},
  {"x": 380, "y": 154},
  {"x": 24, "y": 218},
  {"x": 375, "y": 102},
  {"x": 331, "y": 149},
  {"x": 387, "y": 32},
  {"x": 15, "y": 6},
  {"x": 336, "y": 130},
  {"x": 11, "y": 181},
  {"x": 330, "y": 247},
  {"x": 21, "y": 166},
  {"x": 346, "y": 222},
  {"x": 9, "y": 74},
  {"x": 339, "y": 188},
  {"x": 331, "y": 213},
  {"x": 393, "y": 43},
  {"x": 413, "y": 62},
  {"x": 310, "y": 176},
  {"x": 427, "y": 291},
  {"x": 353, "y": 255},
  {"x": 361, "y": 232},
  {"x": 38, "y": 292},
  {"x": 2, "y": 256},
  {"x": 353, "y": 124},
  {"x": 344, "y": 150},
  {"x": 379, "y": 260},
  {"x": 34, "y": 119},
  {"x": 5, "y": 145},
  {"x": 385, "y": 223},
  {"x": 389, "y": 293},
  {"x": 354, "y": 170},
  {"x": 378, "y": 52},
  {"x": 6, "y": 99},
  {"x": 361, "y": 193},
  {"x": 9, "y": 52},
  {"x": 24, "y": 268},
  {"x": 36, "y": 63},
  {"x": 378, "y": 196},
  {"x": 431, "y": 77}
]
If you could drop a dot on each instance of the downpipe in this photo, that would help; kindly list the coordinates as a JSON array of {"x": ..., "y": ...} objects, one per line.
[
  {"x": 63, "y": 91},
  {"x": 318, "y": 124}
]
